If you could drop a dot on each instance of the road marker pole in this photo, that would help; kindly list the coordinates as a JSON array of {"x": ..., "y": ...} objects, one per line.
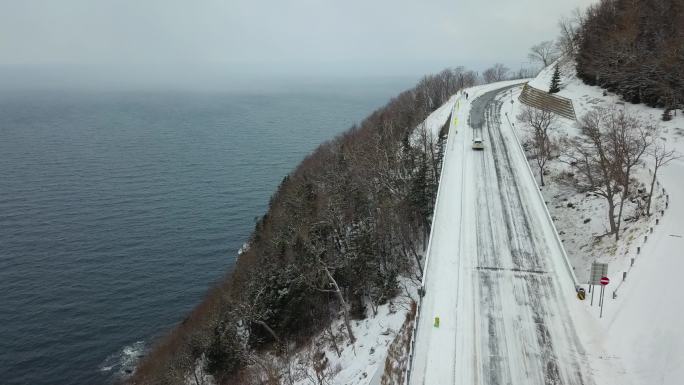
[{"x": 604, "y": 281}]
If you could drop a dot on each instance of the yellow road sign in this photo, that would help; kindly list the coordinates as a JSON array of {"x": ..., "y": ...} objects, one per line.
[{"x": 581, "y": 294}]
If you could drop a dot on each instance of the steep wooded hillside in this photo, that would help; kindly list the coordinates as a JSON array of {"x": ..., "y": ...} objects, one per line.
[
  {"x": 339, "y": 231},
  {"x": 634, "y": 48}
]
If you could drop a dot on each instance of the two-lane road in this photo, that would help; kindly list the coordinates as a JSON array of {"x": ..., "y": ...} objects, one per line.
[{"x": 496, "y": 276}]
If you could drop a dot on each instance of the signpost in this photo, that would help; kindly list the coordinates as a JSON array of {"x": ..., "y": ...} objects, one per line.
[
  {"x": 598, "y": 276},
  {"x": 598, "y": 270},
  {"x": 603, "y": 281}
]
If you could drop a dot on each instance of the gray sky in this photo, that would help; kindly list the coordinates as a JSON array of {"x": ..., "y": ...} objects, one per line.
[{"x": 184, "y": 42}]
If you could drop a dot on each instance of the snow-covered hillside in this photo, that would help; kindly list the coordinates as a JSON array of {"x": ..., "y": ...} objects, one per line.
[
  {"x": 365, "y": 361},
  {"x": 330, "y": 357},
  {"x": 641, "y": 327}
]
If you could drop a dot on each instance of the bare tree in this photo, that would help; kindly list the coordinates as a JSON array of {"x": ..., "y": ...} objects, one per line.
[
  {"x": 569, "y": 32},
  {"x": 660, "y": 156},
  {"x": 590, "y": 158},
  {"x": 525, "y": 73},
  {"x": 611, "y": 144},
  {"x": 325, "y": 261},
  {"x": 321, "y": 373},
  {"x": 469, "y": 79},
  {"x": 343, "y": 303},
  {"x": 630, "y": 137},
  {"x": 544, "y": 53},
  {"x": 539, "y": 123},
  {"x": 496, "y": 73}
]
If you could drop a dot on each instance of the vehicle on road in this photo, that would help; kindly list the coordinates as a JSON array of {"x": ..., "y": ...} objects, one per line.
[{"x": 478, "y": 144}]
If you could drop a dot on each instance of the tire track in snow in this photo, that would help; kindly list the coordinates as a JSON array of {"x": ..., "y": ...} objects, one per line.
[
  {"x": 494, "y": 368},
  {"x": 523, "y": 269},
  {"x": 505, "y": 319}
]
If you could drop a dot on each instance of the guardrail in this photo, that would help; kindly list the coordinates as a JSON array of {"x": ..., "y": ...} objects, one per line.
[
  {"x": 421, "y": 290},
  {"x": 657, "y": 216}
]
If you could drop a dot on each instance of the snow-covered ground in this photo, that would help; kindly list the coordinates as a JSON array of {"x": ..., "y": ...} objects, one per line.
[
  {"x": 641, "y": 329},
  {"x": 438, "y": 118},
  {"x": 499, "y": 291},
  {"x": 360, "y": 363},
  {"x": 330, "y": 357}
]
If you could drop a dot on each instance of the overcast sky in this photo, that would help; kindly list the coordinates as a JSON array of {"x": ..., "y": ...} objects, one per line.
[{"x": 211, "y": 41}]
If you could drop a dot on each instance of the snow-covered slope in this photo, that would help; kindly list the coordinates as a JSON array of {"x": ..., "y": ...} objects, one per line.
[{"x": 641, "y": 328}]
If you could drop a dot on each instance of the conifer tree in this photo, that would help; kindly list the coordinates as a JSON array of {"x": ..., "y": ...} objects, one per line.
[{"x": 555, "y": 81}]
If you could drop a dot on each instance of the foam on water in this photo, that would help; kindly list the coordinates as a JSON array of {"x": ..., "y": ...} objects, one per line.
[{"x": 123, "y": 362}]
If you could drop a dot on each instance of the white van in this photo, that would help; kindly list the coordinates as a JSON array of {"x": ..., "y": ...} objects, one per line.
[{"x": 478, "y": 144}]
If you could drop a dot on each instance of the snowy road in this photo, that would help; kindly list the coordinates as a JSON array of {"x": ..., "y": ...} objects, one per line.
[{"x": 496, "y": 277}]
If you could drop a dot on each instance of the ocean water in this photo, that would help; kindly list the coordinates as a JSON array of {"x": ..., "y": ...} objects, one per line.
[{"x": 118, "y": 210}]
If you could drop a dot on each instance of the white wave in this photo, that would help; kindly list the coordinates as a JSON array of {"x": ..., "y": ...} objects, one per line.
[{"x": 123, "y": 362}]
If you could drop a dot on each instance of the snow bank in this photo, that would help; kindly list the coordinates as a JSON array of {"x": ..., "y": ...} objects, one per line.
[
  {"x": 641, "y": 328},
  {"x": 438, "y": 118},
  {"x": 433, "y": 124}
]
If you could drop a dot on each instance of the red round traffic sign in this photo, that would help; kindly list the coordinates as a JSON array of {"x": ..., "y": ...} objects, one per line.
[{"x": 604, "y": 281}]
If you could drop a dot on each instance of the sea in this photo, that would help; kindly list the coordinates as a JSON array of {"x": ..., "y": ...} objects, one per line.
[{"x": 119, "y": 209}]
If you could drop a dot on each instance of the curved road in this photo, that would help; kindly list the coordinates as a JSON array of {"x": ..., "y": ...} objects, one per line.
[{"x": 496, "y": 276}]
